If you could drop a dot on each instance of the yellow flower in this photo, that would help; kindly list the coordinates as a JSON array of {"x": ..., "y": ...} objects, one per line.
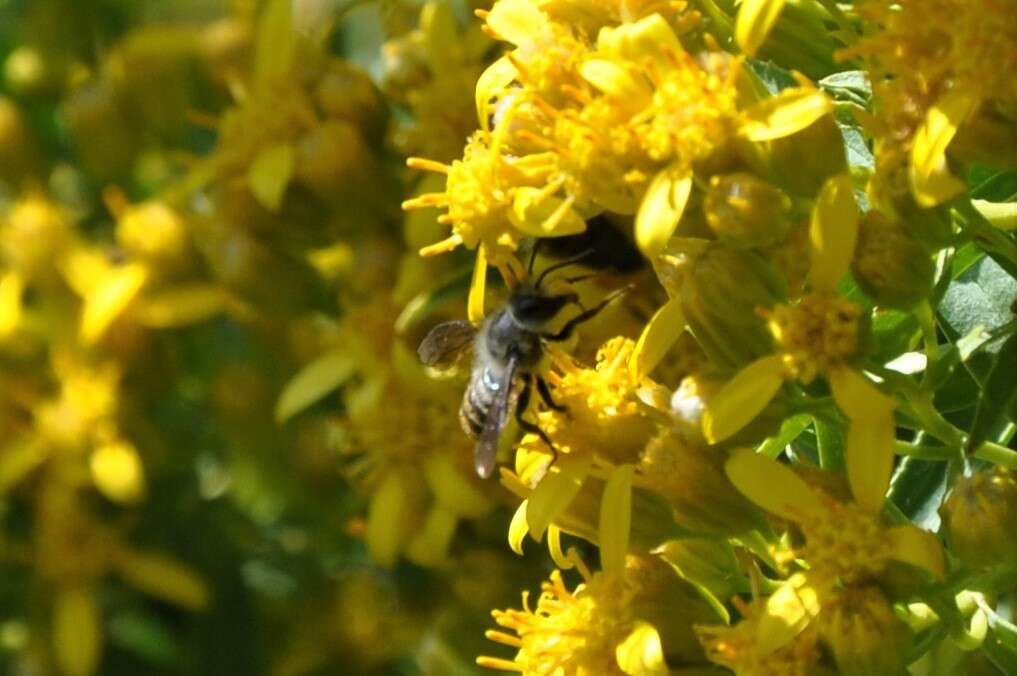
[
  {"x": 603, "y": 433},
  {"x": 750, "y": 647},
  {"x": 589, "y": 631},
  {"x": 845, "y": 542},
  {"x": 934, "y": 66}
]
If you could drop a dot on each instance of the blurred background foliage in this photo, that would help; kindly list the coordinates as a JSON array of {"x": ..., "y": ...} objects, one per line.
[{"x": 175, "y": 177}]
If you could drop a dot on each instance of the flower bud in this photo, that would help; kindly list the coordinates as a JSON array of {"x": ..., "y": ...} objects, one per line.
[
  {"x": 155, "y": 234},
  {"x": 890, "y": 265},
  {"x": 347, "y": 93},
  {"x": 746, "y": 211},
  {"x": 803, "y": 161},
  {"x": 670, "y": 604},
  {"x": 692, "y": 479},
  {"x": 864, "y": 635},
  {"x": 334, "y": 161},
  {"x": 720, "y": 288},
  {"x": 100, "y": 130},
  {"x": 36, "y": 233},
  {"x": 19, "y": 154},
  {"x": 980, "y": 518}
]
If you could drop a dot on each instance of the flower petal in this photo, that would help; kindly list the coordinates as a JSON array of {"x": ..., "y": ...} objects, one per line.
[
  {"x": 270, "y": 174},
  {"x": 478, "y": 287},
  {"x": 641, "y": 653},
  {"x": 518, "y": 528},
  {"x": 517, "y": 21},
  {"x": 387, "y": 519},
  {"x": 931, "y": 182},
  {"x": 771, "y": 485},
  {"x": 917, "y": 547},
  {"x": 754, "y": 21},
  {"x": 616, "y": 519},
  {"x": 742, "y": 398},
  {"x": 562, "y": 561},
  {"x": 313, "y": 382},
  {"x": 554, "y": 493},
  {"x": 1002, "y": 215},
  {"x": 452, "y": 490},
  {"x": 11, "y": 289},
  {"x": 662, "y": 208},
  {"x": 429, "y": 547},
  {"x": 107, "y": 301},
  {"x": 492, "y": 82},
  {"x": 181, "y": 306},
  {"x": 870, "y": 437},
  {"x": 164, "y": 578},
  {"x": 782, "y": 115},
  {"x": 833, "y": 231},
  {"x": 612, "y": 79},
  {"x": 788, "y": 611},
  {"x": 658, "y": 336},
  {"x": 651, "y": 37}
]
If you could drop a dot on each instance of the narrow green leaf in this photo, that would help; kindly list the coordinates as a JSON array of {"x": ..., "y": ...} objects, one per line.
[{"x": 999, "y": 395}]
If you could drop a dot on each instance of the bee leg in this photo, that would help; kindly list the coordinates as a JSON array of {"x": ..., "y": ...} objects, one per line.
[
  {"x": 525, "y": 425},
  {"x": 566, "y": 331},
  {"x": 545, "y": 395}
]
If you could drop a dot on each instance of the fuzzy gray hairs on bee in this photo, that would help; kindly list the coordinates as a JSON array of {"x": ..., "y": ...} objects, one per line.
[{"x": 507, "y": 349}]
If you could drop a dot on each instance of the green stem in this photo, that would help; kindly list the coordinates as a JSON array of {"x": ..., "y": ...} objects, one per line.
[{"x": 1001, "y": 455}]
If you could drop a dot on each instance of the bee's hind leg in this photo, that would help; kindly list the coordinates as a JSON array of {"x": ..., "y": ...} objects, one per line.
[
  {"x": 545, "y": 395},
  {"x": 521, "y": 405}
]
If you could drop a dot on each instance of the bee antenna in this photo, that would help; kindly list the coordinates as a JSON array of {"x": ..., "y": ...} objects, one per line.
[
  {"x": 563, "y": 264},
  {"x": 533, "y": 257}
]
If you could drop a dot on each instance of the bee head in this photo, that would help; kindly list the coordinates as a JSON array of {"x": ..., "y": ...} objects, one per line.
[{"x": 532, "y": 307}]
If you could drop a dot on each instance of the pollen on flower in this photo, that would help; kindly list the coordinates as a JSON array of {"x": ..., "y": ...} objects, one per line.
[
  {"x": 818, "y": 332},
  {"x": 568, "y": 632},
  {"x": 480, "y": 194},
  {"x": 605, "y": 416},
  {"x": 738, "y": 648},
  {"x": 844, "y": 541}
]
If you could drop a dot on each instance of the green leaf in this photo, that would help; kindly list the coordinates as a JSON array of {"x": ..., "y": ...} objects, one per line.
[
  {"x": 830, "y": 434},
  {"x": 850, "y": 85},
  {"x": 144, "y": 635},
  {"x": 892, "y": 333},
  {"x": 999, "y": 395},
  {"x": 993, "y": 185},
  {"x": 981, "y": 296},
  {"x": 917, "y": 489},
  {"x": 790, "y": 430},
  {"x": 773, "y": 77}
]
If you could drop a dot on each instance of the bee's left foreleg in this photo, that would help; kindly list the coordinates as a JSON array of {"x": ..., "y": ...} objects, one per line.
[
  {"x": 545, "y": 395},
  {"x": 522, "y": 404}
]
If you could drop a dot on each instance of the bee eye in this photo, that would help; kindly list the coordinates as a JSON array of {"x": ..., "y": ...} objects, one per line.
[{"x": 536, "y": 307}]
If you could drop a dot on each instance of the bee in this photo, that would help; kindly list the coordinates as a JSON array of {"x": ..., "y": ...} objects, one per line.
[{"x": 507, "y": 349}]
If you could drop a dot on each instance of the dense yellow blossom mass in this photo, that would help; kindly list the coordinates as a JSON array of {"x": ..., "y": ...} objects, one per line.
[{"x": 328, "y": 327}]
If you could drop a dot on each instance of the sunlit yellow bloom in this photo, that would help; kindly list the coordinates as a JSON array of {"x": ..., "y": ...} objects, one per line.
[
  {"x": 589, "y": 631},
  {"x": 748, "y": 648},
  {"x": 816, "y": 334},
  {"x": 845, "y": 541},
  {"x": 936, "y": 65}
]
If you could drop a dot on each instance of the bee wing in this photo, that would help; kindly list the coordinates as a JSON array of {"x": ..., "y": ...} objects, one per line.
[
  {"x": 486, "y": 453},
  {"x": 444, "y": 342}
]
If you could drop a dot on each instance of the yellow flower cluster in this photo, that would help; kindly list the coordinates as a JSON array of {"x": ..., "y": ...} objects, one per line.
[{"x": 711, "y": 299}]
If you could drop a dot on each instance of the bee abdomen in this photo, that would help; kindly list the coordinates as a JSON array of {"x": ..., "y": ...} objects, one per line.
[{"x": 476, "y": 405}]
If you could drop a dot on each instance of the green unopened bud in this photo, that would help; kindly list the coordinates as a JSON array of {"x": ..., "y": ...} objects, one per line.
[
  {"x": 803, "y": 161},
  {"x": 672, "y": 605},
  {"x": 101, "y": 131},
  {"x": 334, "y": 161},
  {"x": 980, "y": 518},
  {"x": 19, "y": 155},
  {"x": 154, "y": 233},
  {"x": 746, "y": 211},
  {"x": 863, "y": 633},
  {"x": 987, "y": 137},
  {"x": 346, "y": 92},
  {"x": 890, "y": 265},
  {"x": 721, "y": 288},
  {"x": 708, "y": 562},
  {"x": 693, "y": 480}
]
